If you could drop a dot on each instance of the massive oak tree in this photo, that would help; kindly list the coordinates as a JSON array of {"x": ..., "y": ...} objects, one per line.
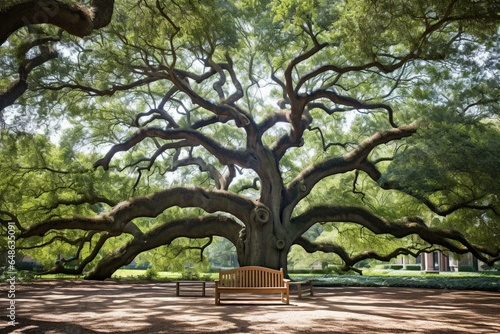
[{"x": 256, "y": 120}]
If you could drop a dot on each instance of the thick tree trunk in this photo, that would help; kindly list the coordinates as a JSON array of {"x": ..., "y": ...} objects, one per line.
[
  {"x": 265, "y": 255},
  {"x": 264, "y": 242}
]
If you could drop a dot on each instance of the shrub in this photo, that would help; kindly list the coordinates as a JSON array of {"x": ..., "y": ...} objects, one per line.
[
  {"x": 312, "y": 271},
  {"x": 190, "y": 274},
  {"x": 25, "y": 275},
  {"x": 24, "y": 265},
  {"x": 366, "y": 263},
  {"x": 495, "y": 266},
  {"x": 332, "y": 270},
  {"x": 434, "y": 282},
  {"x": 466, "y": 268},
  {"x": 151, "y": 274},
  {"x": 413, "y": 267}
]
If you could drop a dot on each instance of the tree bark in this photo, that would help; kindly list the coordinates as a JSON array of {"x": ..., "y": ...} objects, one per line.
[{"x": 76, "y": 19}]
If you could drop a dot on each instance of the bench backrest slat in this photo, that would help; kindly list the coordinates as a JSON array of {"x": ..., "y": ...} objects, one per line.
[{"x": 251, "y": 276}]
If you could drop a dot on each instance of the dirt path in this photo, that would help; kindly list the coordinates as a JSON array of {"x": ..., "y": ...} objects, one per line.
[{"x": 77, "y": 307}]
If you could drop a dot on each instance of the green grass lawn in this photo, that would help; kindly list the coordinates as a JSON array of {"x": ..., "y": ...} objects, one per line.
[
  {"x": 162, "y": 275},
  {"x": 134, "y": 273},
  {"x": 489, "y": 281}
]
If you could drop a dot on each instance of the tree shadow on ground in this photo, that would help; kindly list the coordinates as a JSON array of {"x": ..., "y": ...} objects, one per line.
[{"x": 81, "y": 307}]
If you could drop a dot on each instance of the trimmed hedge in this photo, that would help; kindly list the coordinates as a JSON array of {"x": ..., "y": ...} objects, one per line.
[
  {"x": 413, "y": 267},
  {"x": 465, "y": 268},
  {"x": 430, "y": 282}
]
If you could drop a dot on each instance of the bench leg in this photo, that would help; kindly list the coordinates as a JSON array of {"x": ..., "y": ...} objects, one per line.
[
  {"x": 285, "y": 297},
  {"x": 217, "y": 298}
]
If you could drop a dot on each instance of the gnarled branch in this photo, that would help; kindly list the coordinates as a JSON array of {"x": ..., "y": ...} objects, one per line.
[
  {"x": 119, "y": 219},
  {"x": 354, "y": 159},
  {"x": 225, "y": 155},
  {"x": 76, "y": 19},
  {"x": 350, "y": 260},
  {"x": 164, "y": 234},
  {"x": 451, "y": 239},
  {"x": 20, "y": 85}
]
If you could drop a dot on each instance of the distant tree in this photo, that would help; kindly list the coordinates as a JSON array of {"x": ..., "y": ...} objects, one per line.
[{"x": 256, "y": 120}]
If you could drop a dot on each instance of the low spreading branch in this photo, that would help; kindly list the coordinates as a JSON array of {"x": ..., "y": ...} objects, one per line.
[
  {"x": 450, "y": 239},
  {"x": 119, "y": 219},
  {"x": 164, "y": 234},
  {"x": 350, "y": 260}
]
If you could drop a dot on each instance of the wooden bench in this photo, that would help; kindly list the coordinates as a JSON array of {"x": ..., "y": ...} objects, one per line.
[
  {"x": 252, "y": 279},
  {"x": 303, "y": 287},
  {"x": 191, "y": 288}
]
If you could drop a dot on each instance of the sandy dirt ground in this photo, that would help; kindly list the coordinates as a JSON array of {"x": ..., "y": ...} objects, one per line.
[{"x": 77, "y": 307}]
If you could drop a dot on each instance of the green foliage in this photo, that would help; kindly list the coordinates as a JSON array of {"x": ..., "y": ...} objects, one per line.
[
  {"x": 221, "y": 253},
  {"x": 299, "y": 259},
  {"x": 151, "y": 274},
  {"x": 181, "y": 254},
  {"x": 190, "y": 274},
  {"x": 453, "y": 161},
  {"x": 437, "y": 162},
  {"x": 21, "y": 275}
]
